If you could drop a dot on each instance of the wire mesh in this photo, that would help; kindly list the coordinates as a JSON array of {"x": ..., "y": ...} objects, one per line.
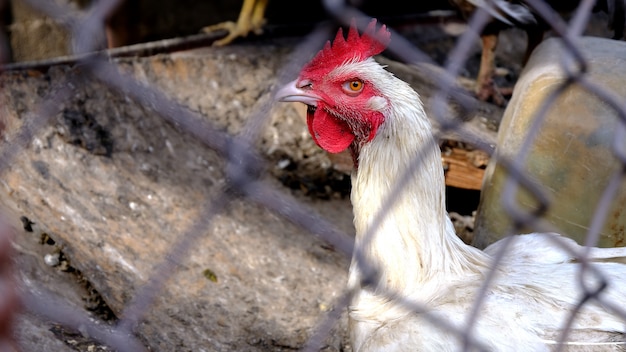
[{"x": 245, "y": 166}]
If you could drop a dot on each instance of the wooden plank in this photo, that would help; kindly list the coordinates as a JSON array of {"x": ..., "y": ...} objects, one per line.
[{"x": 464, "y": 168}]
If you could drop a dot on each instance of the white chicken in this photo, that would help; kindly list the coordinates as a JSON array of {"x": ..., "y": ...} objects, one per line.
[{"x": 354, "y": 103}]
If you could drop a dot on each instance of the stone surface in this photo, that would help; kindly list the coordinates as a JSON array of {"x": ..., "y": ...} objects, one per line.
[
  {"x": 571, "y": 157},
  {"x": 115, "y": 186}
]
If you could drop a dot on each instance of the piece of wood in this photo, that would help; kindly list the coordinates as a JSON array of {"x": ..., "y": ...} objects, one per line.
[{"x": 464, "y": 168}]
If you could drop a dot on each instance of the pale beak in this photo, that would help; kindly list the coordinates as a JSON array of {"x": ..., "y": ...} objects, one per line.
[{"x": 291, "y": 93}]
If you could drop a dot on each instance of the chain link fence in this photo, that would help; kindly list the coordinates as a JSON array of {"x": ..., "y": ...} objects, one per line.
[{"x": 244, "y": 165}]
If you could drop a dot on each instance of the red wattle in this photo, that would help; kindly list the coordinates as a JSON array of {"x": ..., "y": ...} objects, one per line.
[{"x": 329, "y": 132}]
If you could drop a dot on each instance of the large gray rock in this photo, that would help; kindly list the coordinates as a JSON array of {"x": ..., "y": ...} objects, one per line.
[
  {"x": 117, "y": 186},
  {"x": 571, "y": 157}
]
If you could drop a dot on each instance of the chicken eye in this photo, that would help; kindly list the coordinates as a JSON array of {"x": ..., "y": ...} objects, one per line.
[{"x": 354, "y": 86}]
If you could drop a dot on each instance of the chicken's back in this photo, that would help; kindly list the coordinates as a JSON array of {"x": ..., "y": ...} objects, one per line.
[{"x": 515, "y": 313}]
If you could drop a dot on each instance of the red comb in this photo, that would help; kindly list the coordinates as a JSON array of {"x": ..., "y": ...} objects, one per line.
[{"x": 355, "y": 48}]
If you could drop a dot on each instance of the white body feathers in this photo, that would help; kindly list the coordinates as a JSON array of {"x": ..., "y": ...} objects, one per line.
[{"x": 420, "y": 259}]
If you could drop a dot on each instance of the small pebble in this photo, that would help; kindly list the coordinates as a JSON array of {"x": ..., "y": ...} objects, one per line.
[
  {"x": 283, "y": 163},
  {"x": 51, "y": 259}
]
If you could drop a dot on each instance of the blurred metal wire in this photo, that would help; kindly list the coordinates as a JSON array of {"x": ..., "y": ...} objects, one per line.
[{"x": 245, "y": 165}]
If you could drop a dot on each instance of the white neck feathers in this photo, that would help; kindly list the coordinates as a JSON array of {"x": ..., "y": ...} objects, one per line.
[{"x": 415, "y": 241}]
